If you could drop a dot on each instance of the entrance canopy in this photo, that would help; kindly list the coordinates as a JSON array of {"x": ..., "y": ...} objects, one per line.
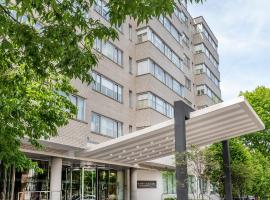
[{"x": 207, "y": 126}]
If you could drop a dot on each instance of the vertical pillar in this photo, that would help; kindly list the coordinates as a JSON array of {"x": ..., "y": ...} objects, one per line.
[
  {"x": 56, "y": 178},
  {"x": 127, "y": 184},
  {"x": 227, "y": 170},
  {"x": 134, "y": 184},
  {"x": 181, "y": 114}
]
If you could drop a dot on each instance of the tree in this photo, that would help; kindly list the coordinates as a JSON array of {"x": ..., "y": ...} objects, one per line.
[
  {"x": 260, "y": 101},
  {"x": 197, "y": 162},
  {"x": 261, "y": 179},
  {"x": 45, "y": 44},
  {"x": 241, "y": 167}
]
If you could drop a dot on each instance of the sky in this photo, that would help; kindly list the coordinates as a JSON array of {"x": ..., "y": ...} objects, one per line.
[{"x": 242, "y": 28}]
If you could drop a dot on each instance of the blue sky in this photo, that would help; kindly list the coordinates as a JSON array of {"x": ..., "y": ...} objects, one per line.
[{"x": 243, "y": 30}]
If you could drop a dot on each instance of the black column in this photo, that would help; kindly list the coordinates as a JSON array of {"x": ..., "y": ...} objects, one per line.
[
  {"x": 227, "y": 170},
  {"x": 181, "y": 114}
]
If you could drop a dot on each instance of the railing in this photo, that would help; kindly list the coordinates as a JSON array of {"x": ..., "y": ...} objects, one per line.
[{"x": 39, "y": 195}]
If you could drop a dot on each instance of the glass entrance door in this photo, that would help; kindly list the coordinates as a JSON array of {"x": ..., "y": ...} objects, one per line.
[
  {"x": 103, "y": 184},
  {"x": 89, "y": 184},
  {"x": 85, "y": 183}
]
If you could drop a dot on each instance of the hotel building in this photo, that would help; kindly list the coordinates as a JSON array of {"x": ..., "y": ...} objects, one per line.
[{"x": 137, "y": 81}]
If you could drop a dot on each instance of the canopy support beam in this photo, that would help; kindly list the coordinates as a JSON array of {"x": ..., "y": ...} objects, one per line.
[
  {"x": 227, "y": 170},
  {"x": 181, "y": 113}
]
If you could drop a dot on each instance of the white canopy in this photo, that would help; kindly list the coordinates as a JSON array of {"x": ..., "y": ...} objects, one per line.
[{"x": 207, "y": 126}]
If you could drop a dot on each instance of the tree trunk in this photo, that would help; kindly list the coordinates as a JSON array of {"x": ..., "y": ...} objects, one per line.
[
  {"x": 12, "y": 183},
  {"x": 3, "y": 195}
]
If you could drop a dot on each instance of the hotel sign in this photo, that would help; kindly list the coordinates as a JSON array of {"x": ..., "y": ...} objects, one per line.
[{"x": 146, "y": 184}]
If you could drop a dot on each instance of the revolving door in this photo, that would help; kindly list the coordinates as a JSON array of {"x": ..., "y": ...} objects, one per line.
[{"x": 85, "y": 183}]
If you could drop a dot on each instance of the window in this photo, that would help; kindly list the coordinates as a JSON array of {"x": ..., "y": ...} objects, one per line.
[
  {"x": 143, "y": 67},
  {"x": 169, "y": 183},
  {"x": 109, "y": 50},
  {"x": 185, "y": 39},
  {"x": 200, "y": 28},
  {"x": 181, "y": 15},
  {"x": 106, "y": 126},
  {"x": 191, "y": 184},
  {"x": 202, "y": 68},
  {"x": 107, "y": 87},
  {"x": 170, "y": 27},
  {"x": 200, "y": 48},
  {"x": 159, "y": 73},
  {"x": 130, "y": 96},
  {"x": 101, "y": 8},
  {"x": 148, "y": 66},
  {"x": 186, "y": 61},
  {"x": 130, "y": 65},
  {"x": 187, "y": 83},
  {"x": 203, "y": 185},
  {"x": 130, "y": 32},
  {"x": 205, "y": 90},
  {"x": 184, "y": 18},
  {"x": 147, "y": 34},
  {"x": 149, "y": 100},
  {"x": 130, "y": 129},
  {"x": 79, "y": 102},
  {"x": 169, "y": 80}
]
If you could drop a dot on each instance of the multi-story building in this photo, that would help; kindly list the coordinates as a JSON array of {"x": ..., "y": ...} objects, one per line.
[{"x": 137, "y": 81}]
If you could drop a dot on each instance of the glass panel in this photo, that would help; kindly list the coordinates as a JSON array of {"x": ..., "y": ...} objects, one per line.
[
  {"x": 160, "y": 105},
  {"x": 159, "y": 73},
  {"x": 120, "y": 94},
  {"x": 169, "y": 81},
  {"x": 81, "y": 108},
  {"x": 106, "y": 126},
  {"x": 103, "y": 183},
  {"x": 95, "y": 123},
  {"x": 107, "y": 87},
  {"x": 113, "y": 184},
  {"x": 143, "y": 67},
  {"x": 76, "y": 184},
  {"x": 90, "y": 186}
]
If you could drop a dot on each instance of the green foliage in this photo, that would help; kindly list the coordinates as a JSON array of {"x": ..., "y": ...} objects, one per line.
[
  {"x": 169, "y": 198},
  {"x": 250, "y": 169},
  {"x": 260, "y": 101}
]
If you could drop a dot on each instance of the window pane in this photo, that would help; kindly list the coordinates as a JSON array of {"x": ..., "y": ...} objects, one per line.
[
  {"x": 80, "y": 106},
  {"x": 95, "y": 123},
  {"x": 169, "y": 81},
  {"x": 176, "y": 87},
  {"x": 160, "y": 105},
  {"x": 120, "y": 94},
  {"x": 159, "y": 73},
  {"x": 107, "y": 87},
  {"x": 106, "y": 126},
  {"x": 143, "y": 67}
]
